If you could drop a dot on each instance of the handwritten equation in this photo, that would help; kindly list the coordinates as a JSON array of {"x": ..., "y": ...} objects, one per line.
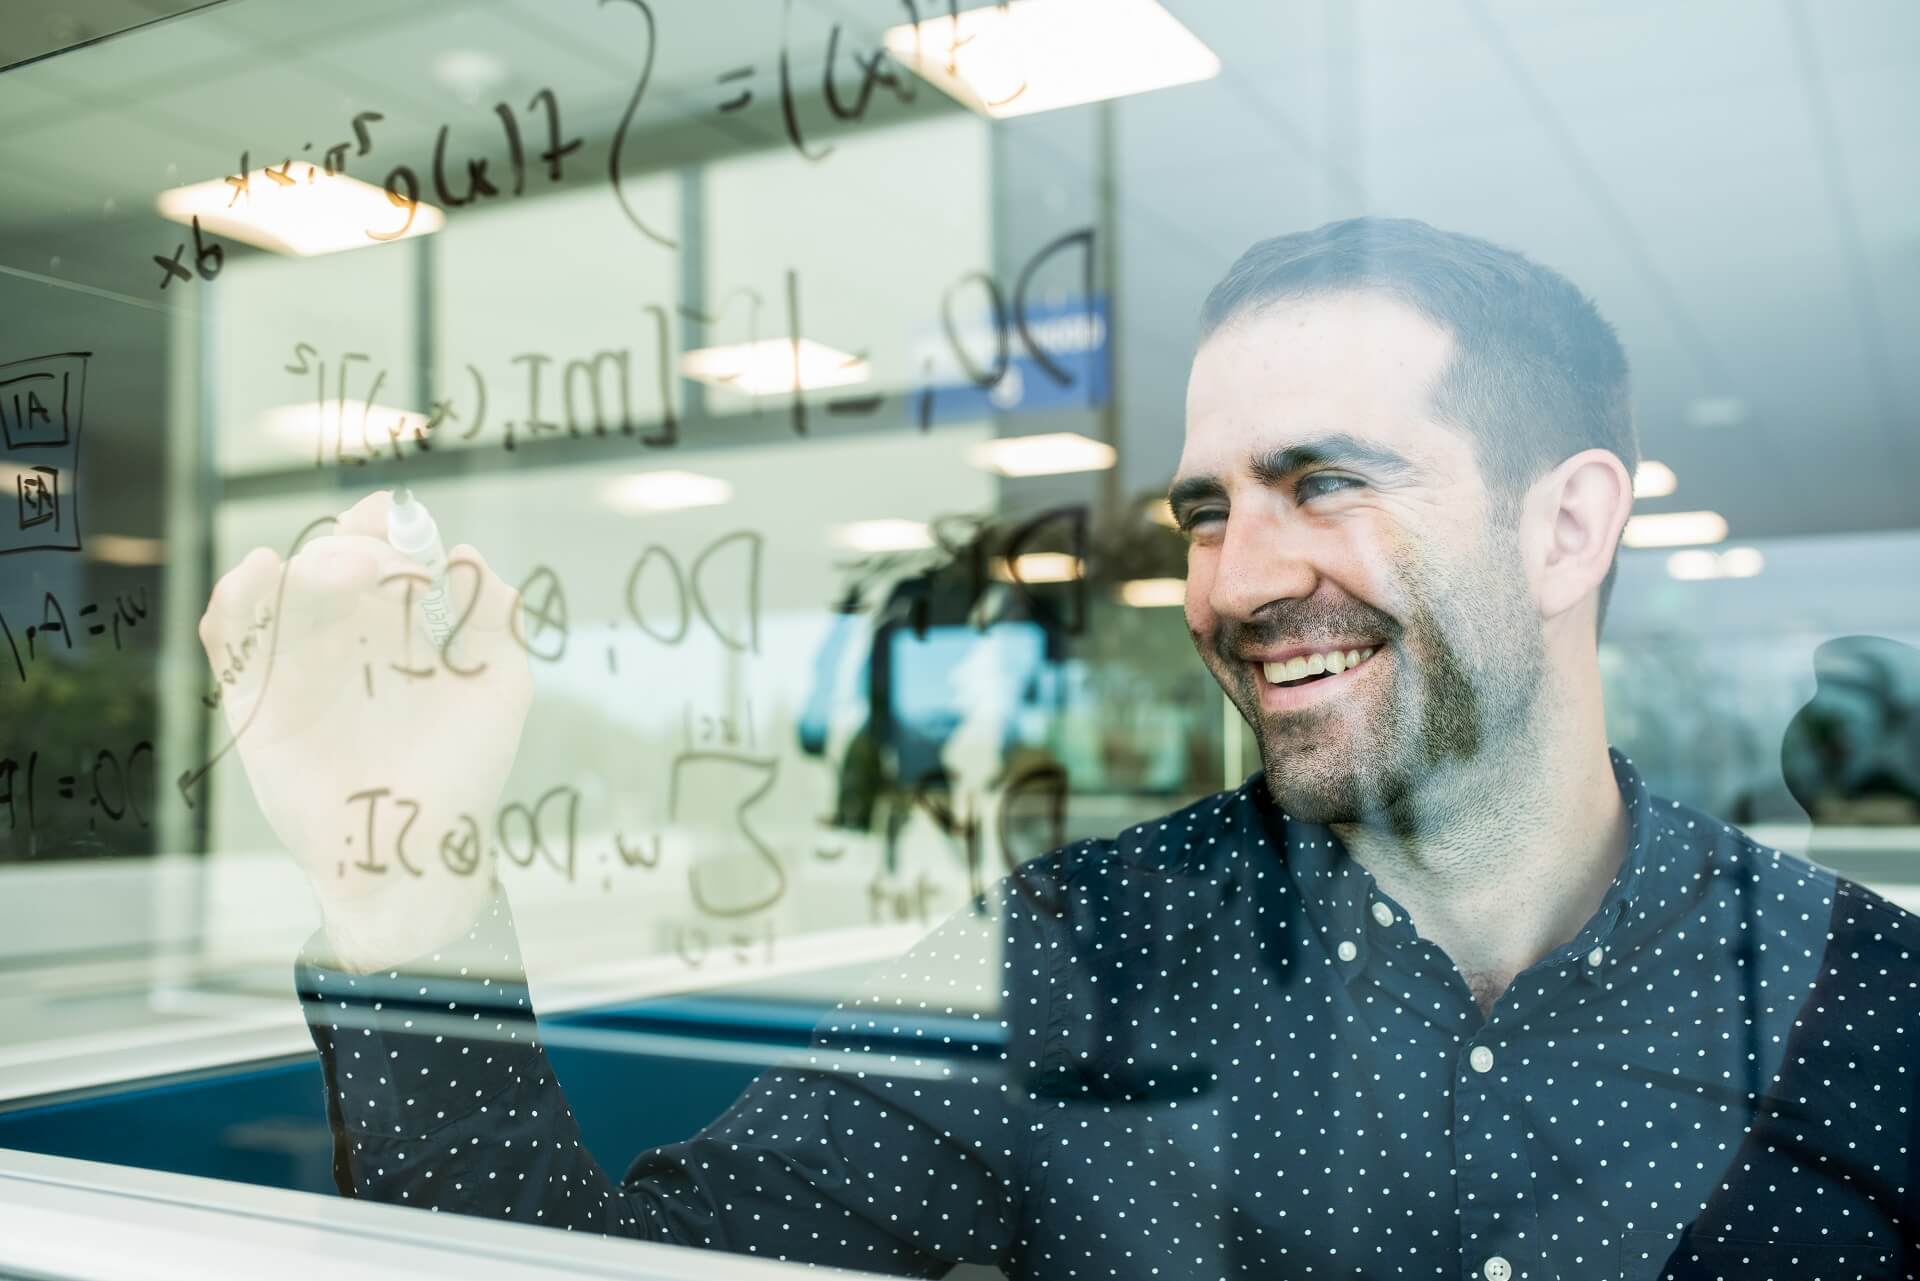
[
  {"x": 90, "y": 624},
  {"x": 559, "y": 396},
  {"x": 41, "y": 402},
  {"x": 848, "y": 88}
]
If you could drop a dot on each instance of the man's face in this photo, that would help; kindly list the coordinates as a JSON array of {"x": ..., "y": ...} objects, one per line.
[{"x": 1328, "y": 514}]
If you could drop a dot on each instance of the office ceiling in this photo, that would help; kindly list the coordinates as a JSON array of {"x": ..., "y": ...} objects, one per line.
[{"x": 1734, "y": 183}]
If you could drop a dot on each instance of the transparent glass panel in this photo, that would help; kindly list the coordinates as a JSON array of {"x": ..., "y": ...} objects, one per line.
[{"x": 1159, "y": 637}]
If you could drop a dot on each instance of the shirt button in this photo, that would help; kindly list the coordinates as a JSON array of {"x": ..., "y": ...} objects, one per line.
[
  {"x": 1596, "y": 956},
  {"x": 1347, "y": 950},
  {"x": 1383, "y": 914},
  {"x": 1482, "y": 1060},
  {"x": 1497, "y": 1269}
]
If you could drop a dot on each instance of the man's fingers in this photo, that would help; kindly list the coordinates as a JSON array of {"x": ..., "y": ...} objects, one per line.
[
  {"x": 366, "y": 518},
  {"x": 237, "y": 603},
  {"x": 337, "y": 575},
  {"x": 493, "y": 611}
]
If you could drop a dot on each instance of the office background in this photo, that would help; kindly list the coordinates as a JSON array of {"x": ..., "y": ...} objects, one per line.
[{"x": 820, "y": 407}]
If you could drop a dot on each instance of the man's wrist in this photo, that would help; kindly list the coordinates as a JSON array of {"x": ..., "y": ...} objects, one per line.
[{"x": 403, "y": 929}]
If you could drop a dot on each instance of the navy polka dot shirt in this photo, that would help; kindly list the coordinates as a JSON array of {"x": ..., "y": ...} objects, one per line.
[{"x": 1213, "y": 1047}]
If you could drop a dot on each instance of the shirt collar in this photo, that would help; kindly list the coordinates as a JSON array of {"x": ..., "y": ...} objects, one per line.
[{"x": 1357, "y": 919}]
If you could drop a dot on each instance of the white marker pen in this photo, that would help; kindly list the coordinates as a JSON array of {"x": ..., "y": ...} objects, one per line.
[{"x": 411, "y": 531}]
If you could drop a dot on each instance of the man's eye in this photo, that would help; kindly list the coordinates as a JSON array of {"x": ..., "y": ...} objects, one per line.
[
  {"x": 1322, "y": 483},
  {"x": 1194, "y": 521}
]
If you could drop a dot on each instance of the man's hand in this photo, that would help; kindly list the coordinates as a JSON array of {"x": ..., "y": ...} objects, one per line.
[{"x": 340, "y": 694}]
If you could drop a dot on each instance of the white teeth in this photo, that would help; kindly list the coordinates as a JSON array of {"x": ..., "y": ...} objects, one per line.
[{"x": 1330, "y": 662}]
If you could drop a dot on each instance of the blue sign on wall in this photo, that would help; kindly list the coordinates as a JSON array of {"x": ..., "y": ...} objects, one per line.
[{"x": 1057, "y": 359}]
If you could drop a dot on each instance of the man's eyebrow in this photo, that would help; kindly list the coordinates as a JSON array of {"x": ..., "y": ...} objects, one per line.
[
  {"x": 1191, "y": 490},
  {"x": 1338, "y": 449}
]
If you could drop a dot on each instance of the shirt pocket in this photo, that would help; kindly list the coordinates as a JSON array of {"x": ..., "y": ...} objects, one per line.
[{"x": 1652, "y": 1256}]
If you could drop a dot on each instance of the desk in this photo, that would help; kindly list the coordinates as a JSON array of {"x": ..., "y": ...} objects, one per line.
[{"x": 88, "y": 1221}]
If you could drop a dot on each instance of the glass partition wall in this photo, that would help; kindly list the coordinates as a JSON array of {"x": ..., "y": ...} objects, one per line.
[{"x": 794, "y": 390}]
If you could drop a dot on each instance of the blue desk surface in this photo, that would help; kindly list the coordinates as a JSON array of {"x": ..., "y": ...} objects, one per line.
[{"x": 266, "y": 1122}]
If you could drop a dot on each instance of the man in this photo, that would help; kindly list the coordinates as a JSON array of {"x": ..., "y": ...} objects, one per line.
[{"x": 1442, "y": 992}]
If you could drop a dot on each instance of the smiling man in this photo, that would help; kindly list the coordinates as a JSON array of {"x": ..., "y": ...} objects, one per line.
[
  {"x": 1441, "y": 992},
  {"x": 1407, "y": 466}
]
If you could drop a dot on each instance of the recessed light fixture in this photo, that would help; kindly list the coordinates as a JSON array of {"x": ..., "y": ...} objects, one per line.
[
  {"x": 1037, "y": 55},
  {"x": 1153, "y": 593},
  {"x": 664, "y": 491},
  {"x": 1675, "y": 529},
  {"x": 311, "y": 214},
  {"x": 774, "y": 366},
  {"x": 1653, "y": 480},
  {"x": 354, "y": 425},
  {"x": 886, "y": 535},
  {"x": 472, "y": 74},
  {"x": 1039, "y": 567},
  {"x": 1048, "y": 454},
  {"x": 1716, "y": 411},
  {"x": 1742, "y": 562},
  {"x": 125, "y": 549},
  {"x": 1698, "y": 564}
]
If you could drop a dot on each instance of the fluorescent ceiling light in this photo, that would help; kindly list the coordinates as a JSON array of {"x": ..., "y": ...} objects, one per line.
[
  {"x": 1039, "y": 567},
  {"x": 1152, "y": 593},
  {"x": 1160, "y": 512},
  {"x": 1691, "y": 566},
  {"x": 124, "y": 549},
  {"x": 887, "y": 535},
  {"x": 664, "y": 491},
  {"x": 1653, "y": 480},
  {"x": 769, "y": 367},
  {"x": 1716, "y": 411},
  {"x": 1037, "y": 55},
  {"x": 1699, "y": 563},
  {"x": 320, "y": 216},
  {"x": 1675, "y": 529},
  {"x": 301, "y": 423},
  {"x": 1049, "y": 454}
]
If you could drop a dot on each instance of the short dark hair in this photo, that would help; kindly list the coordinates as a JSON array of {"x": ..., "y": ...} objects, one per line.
[{"x": 1537, "y": 376}]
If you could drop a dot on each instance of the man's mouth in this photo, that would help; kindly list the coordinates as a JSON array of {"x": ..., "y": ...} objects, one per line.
[{"x": 1307, "y": 668}]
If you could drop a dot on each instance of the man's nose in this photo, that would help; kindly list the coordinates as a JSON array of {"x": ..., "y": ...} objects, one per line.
[{"x": 1262, "y": 559}]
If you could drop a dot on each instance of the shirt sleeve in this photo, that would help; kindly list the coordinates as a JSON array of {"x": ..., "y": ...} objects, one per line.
[{"x": 857, "y": 1154}]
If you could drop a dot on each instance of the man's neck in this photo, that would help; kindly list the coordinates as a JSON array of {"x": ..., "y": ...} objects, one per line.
[{"x": 1500, "y": 862}]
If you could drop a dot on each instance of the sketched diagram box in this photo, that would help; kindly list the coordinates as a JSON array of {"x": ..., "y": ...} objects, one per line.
[{"x": 40, "y": 410}]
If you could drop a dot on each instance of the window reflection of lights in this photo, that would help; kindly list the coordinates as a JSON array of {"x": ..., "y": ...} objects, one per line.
[
  {"x": 1716, "y": 411},
  {"x": 355, "y": 425},
  {"x": 1675, "y": 529},
  {"x": 775, "y": 366},
  {"x": 1039, "y": 567},
  {"x": 664, "y": 491},
  {"x": 1049, "y": 454},
  {"x": 303, "y": 217},
  {"x": 1038, "y": 55},
  {"x": 1654, "y": 480},
  {"x": 125, "y": 549},
  {"x": 1699, "y": 564},
  {"x": 1153, "y": 593},
  {"x": 886, "y": 535}
]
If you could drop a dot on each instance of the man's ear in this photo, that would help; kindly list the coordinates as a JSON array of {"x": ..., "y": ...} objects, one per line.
[{"x": 1574, "y": 517}]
